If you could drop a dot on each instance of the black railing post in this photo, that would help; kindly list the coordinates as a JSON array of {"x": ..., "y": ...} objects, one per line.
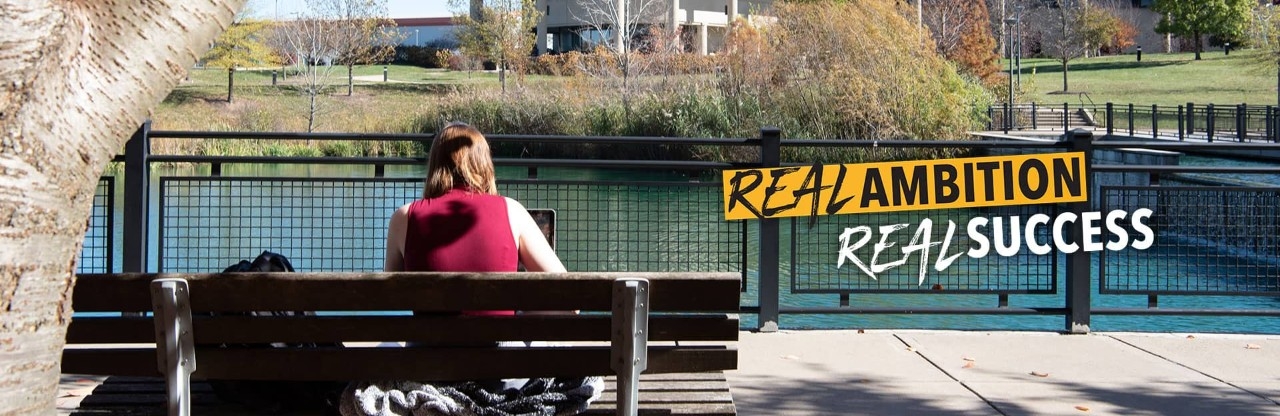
[
  {"x": 1271, "y": 123},
  {"x": 1191, "y": 119},
  {"x": 137, "y": 184},
  {"x": 1078, "y": 270},
  {"x": 1111, "y": 119},
  {"x": 1242, "y": 124},
  {"x": 1209, "y": 121},
  {"x": 770, "y": 157},
  {"x": 1033, "y": 116},
  {"x": 1155, "y": 121},
  {"x": 1008, "y": 114},
  {"x": 1066, "y": 119},
  {"x": 1130, "y": 120},
  {"x": 1181, "y": 124}
]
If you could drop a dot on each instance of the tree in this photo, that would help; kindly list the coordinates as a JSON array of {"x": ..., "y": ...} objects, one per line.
[
  {"x": 621, "y": 24},
  {"x": 1062, "y": 36},
  {"x": 365, "y": 34},
  {"x": 962, "y": 34},
  {"x": 79, "y": 78},
  {"x": 1196, "y": 18},
  {"x": 244, "y": 43},
  {"x": 500, "y": 31},
  {"x": 1265, "y": 34}
]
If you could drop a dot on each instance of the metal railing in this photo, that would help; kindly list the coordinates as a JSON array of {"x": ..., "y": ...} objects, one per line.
[
  {"x": 1190, "y": 121},
  {"x": 338, "y": 224}
]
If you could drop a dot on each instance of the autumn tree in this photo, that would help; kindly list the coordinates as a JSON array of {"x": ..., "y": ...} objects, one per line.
[
  {"x": 79, "y": 78},
  {"x": 500, "y": 31},
  {"x": 961, "y": 33},
  {"x": 1196, "y": 18},
  {"x": 242, "y": 44},
  {"x": 364, "y": 33}
]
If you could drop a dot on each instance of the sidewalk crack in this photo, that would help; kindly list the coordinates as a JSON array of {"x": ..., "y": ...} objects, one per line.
[
  {"x": 951, "y": 376},
  {"x": 1261, "y": 396}
]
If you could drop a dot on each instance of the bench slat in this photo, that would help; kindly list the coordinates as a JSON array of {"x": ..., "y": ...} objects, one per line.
[
  {"x": 396, "y": 363},
  {"x": 431, "y": 330},
  {"x": 408, "y": 291}
]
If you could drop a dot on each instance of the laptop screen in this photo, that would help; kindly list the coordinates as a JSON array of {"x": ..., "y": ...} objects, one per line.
[{"x": 546, "y": 220}]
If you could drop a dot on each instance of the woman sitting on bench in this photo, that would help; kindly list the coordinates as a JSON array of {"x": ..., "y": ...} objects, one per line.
[{"x": 462, "y": 224}]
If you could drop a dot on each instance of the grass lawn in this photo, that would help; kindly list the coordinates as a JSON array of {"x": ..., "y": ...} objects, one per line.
[{"x": 1164, "y": 79}]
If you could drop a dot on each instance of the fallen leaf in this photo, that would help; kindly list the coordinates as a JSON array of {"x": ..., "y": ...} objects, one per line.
[
  {"x": 968, "y": 365},
  {"x": 967, "y": 359},
  {"x": 790, "y": 357},
  {"x": 1082, "y": 408},
  {"x": 862, "y": 331},
  {"x": 1252, "y": 346},
  {"x": 912, "y": 349},
  {"x": 1039, "y": 374},
  {"x": 1191, "y": 337}
]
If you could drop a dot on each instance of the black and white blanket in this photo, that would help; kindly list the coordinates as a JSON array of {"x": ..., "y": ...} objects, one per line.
[{"x": 523, "y": 397}]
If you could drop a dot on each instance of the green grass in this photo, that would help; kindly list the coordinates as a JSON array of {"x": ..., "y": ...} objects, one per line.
[{"x": 1164, "y": 79}]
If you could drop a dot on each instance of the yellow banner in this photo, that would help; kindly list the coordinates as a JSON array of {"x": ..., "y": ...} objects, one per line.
[{"x": 905, "y": 186}]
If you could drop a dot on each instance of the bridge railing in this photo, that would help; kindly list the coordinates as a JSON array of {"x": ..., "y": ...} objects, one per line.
[
  {"x": 1190, "y": 121},
  {"x": 204, "y": 222}
]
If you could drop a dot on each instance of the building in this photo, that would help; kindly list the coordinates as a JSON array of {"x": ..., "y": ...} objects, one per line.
[
  {"x": 569, "y": 25},
  {"x": 426, "y": 31}
]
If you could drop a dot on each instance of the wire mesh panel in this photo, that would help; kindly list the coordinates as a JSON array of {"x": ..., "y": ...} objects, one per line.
[
  {"x": 96, "y": 255},
  {"x": 858, "y": 253},
  {"x": 323, "y": 224},
  {"x": 320, "y": 224},
  {"x": 657, "y": 226},
  {"x": 1208, "y": 241}
]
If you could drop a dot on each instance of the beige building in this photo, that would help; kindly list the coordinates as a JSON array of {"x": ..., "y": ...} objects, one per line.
[{"x": 569, "y": 25}]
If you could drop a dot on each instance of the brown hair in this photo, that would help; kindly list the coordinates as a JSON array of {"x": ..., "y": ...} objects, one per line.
[{"x": 459, "y": 158}]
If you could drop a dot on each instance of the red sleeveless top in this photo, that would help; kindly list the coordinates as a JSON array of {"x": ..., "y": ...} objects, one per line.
[{"x": 460, "y": 231}]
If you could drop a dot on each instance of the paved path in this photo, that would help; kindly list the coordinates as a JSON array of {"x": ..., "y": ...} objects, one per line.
[
  {"x": 923, "y": 373},
  {"x": 1005, "y": 373}
]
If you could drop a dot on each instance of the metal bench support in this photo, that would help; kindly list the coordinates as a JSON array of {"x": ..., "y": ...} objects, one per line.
[
  {"x": 630, "y": 340},
  {"x": 175, "y": 349}
]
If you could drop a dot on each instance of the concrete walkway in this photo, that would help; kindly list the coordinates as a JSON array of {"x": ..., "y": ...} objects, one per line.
[
  {"x": 921, "y": 373},
  {"x": 907, "y": 372}
]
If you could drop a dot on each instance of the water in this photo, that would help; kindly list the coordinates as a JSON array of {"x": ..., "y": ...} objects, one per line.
[{"x": 816, "y": 258}]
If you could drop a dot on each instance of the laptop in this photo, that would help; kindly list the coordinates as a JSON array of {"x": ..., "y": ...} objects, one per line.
[{"x": 546, "y": 220}]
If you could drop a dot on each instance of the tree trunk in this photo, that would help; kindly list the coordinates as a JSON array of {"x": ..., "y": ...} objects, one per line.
[
  {"x": 231, "y": 82},
  {"x": 79, "y": 77},
  {"x": 1065, "y": 66},
  {"x": 351, "y": 80},
  {"x": 1197, "y": 43}
]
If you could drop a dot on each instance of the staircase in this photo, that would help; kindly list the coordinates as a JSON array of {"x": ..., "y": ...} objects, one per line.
[{"x": 1050, "y": 118}]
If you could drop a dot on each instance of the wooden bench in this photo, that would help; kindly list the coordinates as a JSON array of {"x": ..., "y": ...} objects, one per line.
[{"x": 655, "y": 323}]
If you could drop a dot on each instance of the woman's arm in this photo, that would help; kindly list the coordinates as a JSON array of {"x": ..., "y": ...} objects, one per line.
[
  {"x": 535, "y": 253},
  {"x": 396, "y": 230}
]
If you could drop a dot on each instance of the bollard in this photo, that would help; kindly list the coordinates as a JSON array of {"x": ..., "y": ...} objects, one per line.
[
  {"x": 384, "y": 73},
  {"x": 1111, "y": 119},
  {"x": 273, "y": 77},
  {"x": 1139, "y": 53}
]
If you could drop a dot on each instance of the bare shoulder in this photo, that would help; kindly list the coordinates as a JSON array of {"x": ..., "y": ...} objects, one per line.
[{"x": 514, "y": 206}]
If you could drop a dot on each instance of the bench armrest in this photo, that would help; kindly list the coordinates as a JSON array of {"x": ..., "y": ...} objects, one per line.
[
  {"x": 630, "y": 339},
  {"x": 175, "y": 344}
]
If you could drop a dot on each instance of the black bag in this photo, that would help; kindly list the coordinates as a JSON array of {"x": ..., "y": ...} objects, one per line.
[{"x": 276, "y": 396}]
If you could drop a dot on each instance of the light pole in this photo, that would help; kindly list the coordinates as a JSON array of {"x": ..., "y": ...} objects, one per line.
[{"x": 1008, "y": 121}]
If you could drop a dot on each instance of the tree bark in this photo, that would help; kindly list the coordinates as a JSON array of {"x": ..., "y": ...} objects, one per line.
[{"x": 78, "y": 78}]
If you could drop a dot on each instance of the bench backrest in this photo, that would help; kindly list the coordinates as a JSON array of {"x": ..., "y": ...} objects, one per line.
[{"x": 372, "y": 308}]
